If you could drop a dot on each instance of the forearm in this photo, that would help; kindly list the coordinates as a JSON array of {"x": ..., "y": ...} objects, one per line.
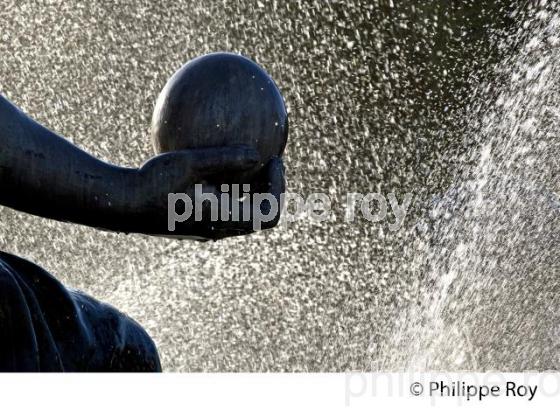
[{"x": 46, "y": 175}]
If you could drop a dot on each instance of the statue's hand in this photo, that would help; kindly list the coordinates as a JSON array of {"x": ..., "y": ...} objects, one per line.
[
  {"x": 180, "y": 171},
  {"x": 261, "y": 213}
]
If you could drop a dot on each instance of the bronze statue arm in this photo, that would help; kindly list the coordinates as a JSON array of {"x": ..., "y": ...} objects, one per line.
[{"x": 44, "y": 174}]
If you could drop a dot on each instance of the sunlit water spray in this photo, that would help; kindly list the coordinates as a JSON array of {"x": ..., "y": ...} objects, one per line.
[{"x": 496, "y": 226}]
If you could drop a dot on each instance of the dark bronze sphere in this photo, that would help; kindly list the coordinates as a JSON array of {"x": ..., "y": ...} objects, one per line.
[{"x": 221, "y": 99}]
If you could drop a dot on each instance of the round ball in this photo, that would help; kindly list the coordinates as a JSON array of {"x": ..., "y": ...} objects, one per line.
[{"x": 221, "y": 99}]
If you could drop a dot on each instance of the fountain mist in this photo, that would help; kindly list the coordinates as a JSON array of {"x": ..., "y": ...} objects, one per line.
[{"x": 496, "y": 229}]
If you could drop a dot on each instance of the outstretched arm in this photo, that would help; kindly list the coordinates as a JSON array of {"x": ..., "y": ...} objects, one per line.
[{"x": 46, "y": 175}]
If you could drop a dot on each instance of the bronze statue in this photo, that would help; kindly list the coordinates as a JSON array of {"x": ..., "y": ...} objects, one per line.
[{"x": 46, "y": 327}]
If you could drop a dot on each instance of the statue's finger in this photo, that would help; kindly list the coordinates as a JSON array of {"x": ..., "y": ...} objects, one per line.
[
  {"x": 222, "y": 161},
  {"x": 276, "y": 179},
  {"x": 273, "y": 184}
]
